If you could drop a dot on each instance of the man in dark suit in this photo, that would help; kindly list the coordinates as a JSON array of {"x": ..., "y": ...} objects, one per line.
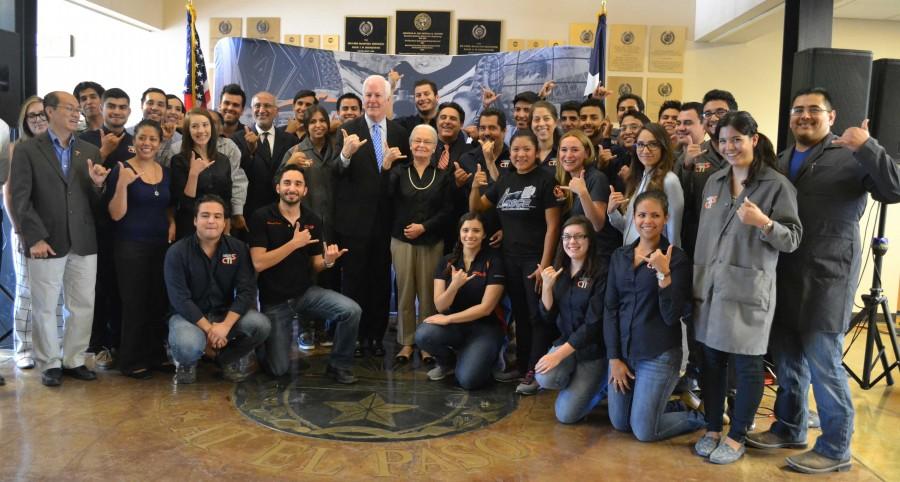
[
  {"x": 363, "y": 216},
  {"x": 55, "y": 185},
  {"x": 262, "y": 149}
]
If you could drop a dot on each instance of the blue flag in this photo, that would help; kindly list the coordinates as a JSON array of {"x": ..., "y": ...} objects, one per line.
[{"x": 597, "y": 64}]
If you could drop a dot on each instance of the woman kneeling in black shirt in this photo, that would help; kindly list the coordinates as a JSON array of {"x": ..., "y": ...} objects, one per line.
[{"x": 468, "y": 285}]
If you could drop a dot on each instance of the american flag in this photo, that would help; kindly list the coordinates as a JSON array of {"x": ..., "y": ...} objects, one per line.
[
  {"x": 597, "y": 65},
  {"x": 196, "y": 87}
]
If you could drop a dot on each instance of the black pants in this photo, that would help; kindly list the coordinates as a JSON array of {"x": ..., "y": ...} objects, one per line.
[
  {"x": 533, "y": 336},
  {"x": 748, "y": 371},
  {"x": 366, "y": 279},
  {"x": 107, "y": 326},
  {"x": 139, "y": 267}
]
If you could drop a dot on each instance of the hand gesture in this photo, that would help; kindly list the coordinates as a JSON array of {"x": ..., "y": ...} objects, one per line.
[
  {"x": 692, "y": 152},
  {"x": 577, "y": 184},
  {"x": 458, "y": 277},
  {"x": 549, "y": 275},
  {"x": 302, "y": 237},
  {"x": 332, "y": 253},
  {"x": 625, "y": 172},
  {"x": 471, "y": 131},
  {"x": 854, "y": 137},
  {"x": 168, "y": 130},
  {"x": 438, "y": 319},
  {"x": 496, "y": 239},
  {"x": 619, "y": 375},
  {"x": 198, "y": 164},
  {"x": 488, "y": 97},
  {"x": 127, "y": 175},
  {"x": 293, "y": 126},
  {"x": 660, "y": 262},
  {"x": 413, "y": 230},
  {"x": 606, "y": 128},
  {"x": 461, "y": 176},
  {"x": 299, "y": 158},
  {"x": 41, "y": 249},
  {"x": 750, "y": 214},
  {"x": 97, "y": 173},
  {"x": 394, "y": 78},
  {"x": 392, "y": 154},
  {"x": 251, "y": 138},
  {"x": 547, "y": 89},
  {"x": 322, "y": 97},
  {"x": 606, "y": 155},
  {"x": 351, "y": 144},
  {"x": 601, "y": 92},
  {"x": 536, "y": 276},
  {"x": 616, "y": 199},
  {"x": 480, "y": 177},
  {"x": 109, "y": 142}
]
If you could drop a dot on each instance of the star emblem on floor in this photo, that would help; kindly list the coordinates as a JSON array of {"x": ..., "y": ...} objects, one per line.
[{"x": 372, "y": 408}]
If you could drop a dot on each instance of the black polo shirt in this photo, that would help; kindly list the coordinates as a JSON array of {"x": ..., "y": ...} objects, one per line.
[
  {"x": 123, "y": 152},
  {"x": 294, "y": 274},
  {"x": 488, "y": 269}
]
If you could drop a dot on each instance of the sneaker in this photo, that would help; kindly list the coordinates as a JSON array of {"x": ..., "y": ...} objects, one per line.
[
  {"x": 725, "y": 454},
  {"x": 706, "y": 445},
  {"x": 105, "y": 360},
  {"x": 528, "y": 386},
  {"x": 324, "y": 338},
  {"x": 771, "y": 440},
  {"x": 307, "y": 340},
  {"x": 25, "y": 363},
  {"x": 509, "y": 376},
  {"x": 812, "y": 463},
  {"x": 340, "y": 375},
  {"x": 185, "y": 374},
  {"x": 439, "y": 373}
]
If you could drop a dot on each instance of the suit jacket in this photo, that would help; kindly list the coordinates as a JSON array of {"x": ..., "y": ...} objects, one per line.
[
  {"x": 260, "y": 168},
  {"x": 46, "y": 205},
  {"x": 361, "y": 192}
]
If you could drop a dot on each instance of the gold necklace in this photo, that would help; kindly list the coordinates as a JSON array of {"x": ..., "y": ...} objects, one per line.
[{"x": 413, "y": 184}]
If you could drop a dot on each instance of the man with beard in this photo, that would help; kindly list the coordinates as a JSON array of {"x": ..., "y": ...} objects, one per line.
[
  {"x": 88, "y": 94},
  {"x": 426, "y": 97},
  {"x": 287, "y": 253},
  {"x": 232, "y": 101},
  {"x": 816, "y": 283},
  {"x": 115, "y": 144}
]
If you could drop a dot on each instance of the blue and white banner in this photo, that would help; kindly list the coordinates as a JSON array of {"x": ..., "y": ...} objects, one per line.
[{"x": 259, "y": 65}]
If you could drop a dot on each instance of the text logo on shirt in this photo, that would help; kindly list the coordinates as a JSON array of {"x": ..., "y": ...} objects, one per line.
[
  {"x": 229, "y": 258},
  {"x": 710, "y": 202},
  {"x": 516, "y": 201}
]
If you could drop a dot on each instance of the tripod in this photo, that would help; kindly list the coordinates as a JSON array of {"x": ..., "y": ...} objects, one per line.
[{"x": 871, "y": 303}]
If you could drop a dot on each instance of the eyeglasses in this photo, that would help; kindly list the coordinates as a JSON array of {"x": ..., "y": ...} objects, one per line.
[
  {"x": 651, "y": 146},
  {"x": 36, "y": 116},
  {"x": 576, "y": 237},
  {"x": 718, "y": 113},
  {"x": 68, "y": 108},
  {"x": 812, "y": 110}
]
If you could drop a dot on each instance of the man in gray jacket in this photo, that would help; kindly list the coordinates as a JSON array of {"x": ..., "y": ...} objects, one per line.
[
  {"x": 816, "y": 284},
  {"x": 56, "y": 183}
]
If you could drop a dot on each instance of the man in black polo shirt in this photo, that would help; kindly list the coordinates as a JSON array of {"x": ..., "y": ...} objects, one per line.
[
  {"x": 287, "y": 253},
  {"x": 212, "y": 290},
  {"x": 116, "y": 145},
  {"x": 427, "y": 99}
]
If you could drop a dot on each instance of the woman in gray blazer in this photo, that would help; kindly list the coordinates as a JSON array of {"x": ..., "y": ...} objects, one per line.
[{"x": 749, "y": 216}]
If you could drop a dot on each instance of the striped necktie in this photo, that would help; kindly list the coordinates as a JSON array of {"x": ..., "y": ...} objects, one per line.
[{"x": 378, "y": 144}]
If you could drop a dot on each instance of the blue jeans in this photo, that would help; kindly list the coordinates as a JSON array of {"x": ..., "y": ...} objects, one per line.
[
  {"x": 187, "y": 341},
  {"x": 641, "y": 410},
  {"x": 813, "y": 358},
  {"x": 341, "y": 312},
  {"x": 581, "y": 384},
  {"x": 472, "y": 346}
]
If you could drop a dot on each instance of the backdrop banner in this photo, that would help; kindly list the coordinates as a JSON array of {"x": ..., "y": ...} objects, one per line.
[{"x": 258, "y": 65}]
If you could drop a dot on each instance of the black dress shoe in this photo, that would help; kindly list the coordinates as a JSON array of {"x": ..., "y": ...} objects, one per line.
[
  {"x": 80, "y": 373},
  {"x": 340, "y": 375},
  {"x": 140, "y": 374},
  {"x": 377, "y": 349},
  {"x": 52, "y": 377}
]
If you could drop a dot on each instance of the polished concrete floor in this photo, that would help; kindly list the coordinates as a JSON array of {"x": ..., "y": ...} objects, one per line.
[{"x": 122, "y": 429}]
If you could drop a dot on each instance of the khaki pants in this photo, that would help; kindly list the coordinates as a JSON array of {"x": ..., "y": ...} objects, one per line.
[{"x": 414, "y": 266}]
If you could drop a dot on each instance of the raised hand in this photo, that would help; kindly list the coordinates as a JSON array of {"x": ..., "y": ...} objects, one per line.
[
  {"x": 97, "y": 173},
  {"x": 126, "y": 175},
  {"x": 332, "y": 252},
  {"x": 299, "y": 158},
  {"x": 251, "y": 138},
  {"x": 854, "y": 137},
  {"x": 351, "y": 143},
  {"x": 547, "y": 89},
  {"x": 109, "y": 142},
  {"x": 460, "y": 174},
  {"x": 168, "y": 130},
  {"x": 488, "y": 97},
  {"x": 293, "y": 126},
  {"x": 624, "y": 172},
  {"x": 480, "y": 177},
  {"x": 394, "y": 78},
  {"x": 198, "y": 164},
  {"x": 616, "y": 199},
  {"x": 458, "y": 277},
  {"x": 750, "y": 214},
  {"x": 576, "y": 184},
  {"x": 549, "y": 275},
  {"x": 606, "y": 155},
  {"x": 487, "y": 149},
  {"x": 692, "y": 152},
  {"x": 302, "y": 238},
  {"x": 601, "y": 92},
  {"x": 392, "y": 154},
  {"x": 660, "y": 262}
]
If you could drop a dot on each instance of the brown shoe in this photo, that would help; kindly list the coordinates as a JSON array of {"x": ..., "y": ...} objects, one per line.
[
  {"x": 771, "y": 440},
  {"x": 810, "y": 462}
]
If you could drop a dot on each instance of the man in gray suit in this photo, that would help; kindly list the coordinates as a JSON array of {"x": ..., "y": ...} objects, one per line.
[{"x": 55, "y": 186}]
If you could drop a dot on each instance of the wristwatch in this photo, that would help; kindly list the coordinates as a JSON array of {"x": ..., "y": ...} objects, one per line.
[
  {"x": 767, "y": 228},
  {"x": 661, "y": 276}
]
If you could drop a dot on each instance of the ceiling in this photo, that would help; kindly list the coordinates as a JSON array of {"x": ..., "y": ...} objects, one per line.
[{"x": 868, "y": 9}]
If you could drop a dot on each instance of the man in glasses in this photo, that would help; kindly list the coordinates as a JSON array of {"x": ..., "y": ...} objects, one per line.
[{"x": 817, "y": 282}]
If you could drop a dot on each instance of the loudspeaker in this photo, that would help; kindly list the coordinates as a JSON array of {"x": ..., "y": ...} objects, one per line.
[
  {"x": 884, "y": 105},
  {"x": 845, "y": 74}
]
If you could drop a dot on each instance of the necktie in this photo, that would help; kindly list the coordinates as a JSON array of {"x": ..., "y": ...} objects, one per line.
[
  {"x": 377, "y": 143},
  {"x": 444, "y": 161},
  {"x": 265, "y": 146}
]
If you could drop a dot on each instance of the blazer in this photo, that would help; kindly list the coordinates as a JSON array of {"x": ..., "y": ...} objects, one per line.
[
  {"x": 260, "y": 168},
  {"x": 817, "y": 283},
  {"x": 361, "y": 191},
  {"x": 734, "y": 263},
  {"x": 46, "y": 205}
]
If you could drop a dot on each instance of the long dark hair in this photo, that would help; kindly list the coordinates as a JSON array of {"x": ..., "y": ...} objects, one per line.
[
  {"x": 763, "y": 152},
  {"x": 457, "y": 253},
  {"x": 187, "y": 142},
  {"x": 590, "y": 263},
  {"x": 664, "y": 166},
  {"x": 307, "y": 117}
]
